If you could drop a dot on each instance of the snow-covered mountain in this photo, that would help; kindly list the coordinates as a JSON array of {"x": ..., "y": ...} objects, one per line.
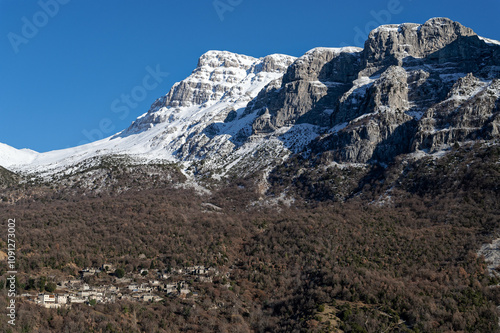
[
  {"x": 10, "y": 156},
  {"x": 412, "y": 88},
  {"x": 200, "y": 118}
]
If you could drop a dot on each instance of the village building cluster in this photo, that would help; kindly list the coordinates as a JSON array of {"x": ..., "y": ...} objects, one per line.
[{"x": 131, "y": 287}]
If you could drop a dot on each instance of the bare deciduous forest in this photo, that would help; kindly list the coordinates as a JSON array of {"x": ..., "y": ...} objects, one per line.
[{"x": 404, "y": 264}]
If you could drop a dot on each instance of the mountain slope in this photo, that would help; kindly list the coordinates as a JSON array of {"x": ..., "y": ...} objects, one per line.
[
  {"x": 180, "y": 125},
  {"x": 10, "y": 156},
  {"x": 413, "y": 88}
]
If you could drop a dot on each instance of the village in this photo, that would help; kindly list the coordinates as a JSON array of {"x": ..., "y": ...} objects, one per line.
[{"x": 127, "y": 287}]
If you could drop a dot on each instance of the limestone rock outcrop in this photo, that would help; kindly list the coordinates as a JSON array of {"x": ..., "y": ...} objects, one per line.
[{"x": 412, "y": 87}]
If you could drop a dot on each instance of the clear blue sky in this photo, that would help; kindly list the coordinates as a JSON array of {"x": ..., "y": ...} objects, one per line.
[{"x": 58, "y": 81}]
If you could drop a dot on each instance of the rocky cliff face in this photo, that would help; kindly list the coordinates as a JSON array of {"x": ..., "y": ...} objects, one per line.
[
  {"x": 470, "y": 112},
  {"x": 202, "y": 117},
  {"x": 392, "y": 44},
  {"x": 220, "y": 76},
  {"x": 413, "y": 87},
  {"x": 308, "y": 90},
  {"x": 217, "y": 77}
]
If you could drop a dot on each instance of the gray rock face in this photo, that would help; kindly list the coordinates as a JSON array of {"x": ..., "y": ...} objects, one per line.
[
  {"x": 308, "y": 89},
  {"x": 391, "y": 44},
  {"x": 387, "y": 93},
  {"x": 413, "y": 87},
  {"x": 204, "y": 84},
  {"x": 470, "y": 112},
  {"x": 491, "y": 253}
]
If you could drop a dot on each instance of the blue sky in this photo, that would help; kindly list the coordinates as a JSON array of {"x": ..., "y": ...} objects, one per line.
[{"x": 66, "y": 65}]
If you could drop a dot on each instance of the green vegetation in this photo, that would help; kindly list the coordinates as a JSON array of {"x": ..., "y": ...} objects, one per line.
[
  {"x": 50, "y": 287},
  {"x": 119, "y": 273}
]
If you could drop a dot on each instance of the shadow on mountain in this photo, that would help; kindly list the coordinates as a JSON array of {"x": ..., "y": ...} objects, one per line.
[
  {"x": 459, "y": 56},
  {"x": 397, "y": 143},
  {"x": 236, "y": 128},
  {"x": 463, "y": 53},
  {"x": 295, "y": 103}
]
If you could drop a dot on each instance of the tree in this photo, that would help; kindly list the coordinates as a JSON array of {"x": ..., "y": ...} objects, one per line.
[
  {"x": 51, "y": 287},
  {"x": 31, "y": 284},
  {"x": 119, "y": 273},
  {"x": 41, "y": 283}
]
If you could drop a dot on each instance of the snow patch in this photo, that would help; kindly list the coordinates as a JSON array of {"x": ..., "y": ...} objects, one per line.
[
  {"x": 10, "y": 156},
  {"x": 491, "y": 253},
  {"x": 489, "y": 41}
]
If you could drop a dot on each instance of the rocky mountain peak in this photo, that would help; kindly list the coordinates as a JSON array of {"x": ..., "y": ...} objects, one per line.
[
  {"x": 226, "y": 59},
  {"x": 278, "y": 63},
  {"x": 390, "y": 44},
  {"x": 216, "y": 74},
  {"x": 199, "y": 114},
  {"x": 414, "y": 87},
  {"x": 310, "y": 65}
]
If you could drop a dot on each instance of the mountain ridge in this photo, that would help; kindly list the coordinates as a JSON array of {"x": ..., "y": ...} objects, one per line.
[{"x": 402, "y": 93}]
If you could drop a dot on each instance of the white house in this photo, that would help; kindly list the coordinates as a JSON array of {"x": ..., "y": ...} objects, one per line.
[
  {"x": 74, "y": 299},
  {"x": 45, "y": 298},
  {"x": 62, "y": 299},
  {"x": 133, "y": 287}
]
